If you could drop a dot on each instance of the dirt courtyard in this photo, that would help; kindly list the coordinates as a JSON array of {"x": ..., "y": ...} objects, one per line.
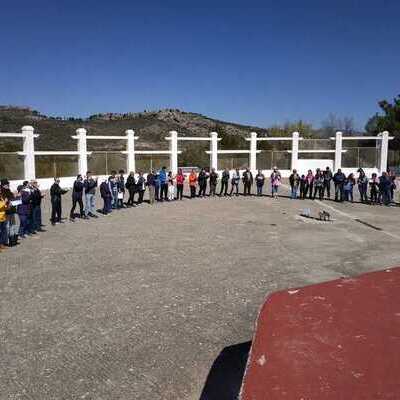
[{"x": 138, "y": 304}]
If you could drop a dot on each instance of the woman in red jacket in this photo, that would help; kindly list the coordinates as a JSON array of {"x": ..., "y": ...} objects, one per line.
[{"x": 180, "y": 179}]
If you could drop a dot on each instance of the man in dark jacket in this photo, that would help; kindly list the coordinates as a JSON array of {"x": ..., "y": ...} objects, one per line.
[
  {"x": 77, "y": 193},
  {"x": 213, "y": 182},
  {"x": 327, "y": 182},
  {"x": 90, "y": 185},
  {"x": 247, "y": 179},
  {"x": 224, "y": 182},
  {"x": 106, "y": 195},
  {"x": 55, "y": 196},
  {"x": 36, "y": 201},
  {"x": 131, "y": 186},
  {"x": 385, "y": 184},
  {"x": 202, "y": 181},
  {"x": 338, "y": 180}
]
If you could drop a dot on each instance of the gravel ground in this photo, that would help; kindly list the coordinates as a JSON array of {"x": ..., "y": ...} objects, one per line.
[{"x": 138, "y": 304}]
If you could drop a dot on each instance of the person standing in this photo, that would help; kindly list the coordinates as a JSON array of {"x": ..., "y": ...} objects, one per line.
[
  {"x": 338, "y": 180},
  {"x": 202, "y": 180},
  {"x": 319, "y": 185},
  {"x": 90, "y": 185},
  {"x": 213, "y": 182},
  {"x": 151, "y": 185},
  {"x": 106, "y": 195},
  {"x": 171, "y": 187},
  {"x": 193, "y": 184},
  {"x": 327, "y": 182},
  {"x": 275, "y": 182},
  {"x": 141, "y": 187},
  {"x": 294, "y": 180},
  {"x": 303, "y": 187},
  {"x": 163, "y": 184},
  {"x": 180, "y": 179},
  {"x": 36, "y": 200},
  {"x": 4, "y": 205},
  {"x": 24, "y": 209},
  {"x": 121, "y": 189},
  {"x": 131, "y": 186},
  {"x": 247, "y": 179},
  {"x": 113, "y": 189},
  {"x": 235, "y": 182},
  {"x": 55, "y": 196},
  {"x": 157, "y": 185},
  {"x": 77, "y": 193},
  {"x": 348, "y": 188},
  {"x": 374, "y": 189},
  {"x": 309, "y": 184},
  {"x": 392, "y": 177},
  {"x": 224, "y": 182},
  {"x": 362, "y": 183},
  {"x": 385, "y": 184},
  {"x": 11, "y": 212},
  {"x": 260, "y": 180}
]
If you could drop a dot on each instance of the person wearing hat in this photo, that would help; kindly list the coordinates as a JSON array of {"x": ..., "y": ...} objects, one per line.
[
  {"x": 24, "y": 209},
  {"x": 55, "y": 196}
]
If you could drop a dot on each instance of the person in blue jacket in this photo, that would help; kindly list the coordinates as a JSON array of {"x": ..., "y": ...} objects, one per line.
[{"x": 163, "y": 179}]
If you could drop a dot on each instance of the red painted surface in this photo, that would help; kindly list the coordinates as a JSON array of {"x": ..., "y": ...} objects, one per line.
[{"x": 338, "y": 340}]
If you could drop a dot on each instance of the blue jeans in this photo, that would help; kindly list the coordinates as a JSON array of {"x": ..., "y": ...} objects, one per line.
[
  {"x": 259, "y": 190},
  {"x": 4, "y": 233},
  {"x": 294, "y": 192},
  {"x": 348, "y": 194},
  {"x": 274, "y": 189},
  {"x": 89, "y": 204},
  {"x": 107, "y": 208},
  {"x": 24, "y": 224},
  {"x": 36, "y": 218}
]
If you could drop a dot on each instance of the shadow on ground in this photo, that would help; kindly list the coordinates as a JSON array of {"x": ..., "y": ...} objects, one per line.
[{"x": 225, "y": 377}]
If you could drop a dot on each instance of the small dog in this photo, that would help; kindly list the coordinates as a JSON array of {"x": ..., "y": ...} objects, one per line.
[{"x": 324, "y": 216}]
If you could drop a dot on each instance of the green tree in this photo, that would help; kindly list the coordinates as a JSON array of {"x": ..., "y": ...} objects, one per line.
[{"x": 388, "y": 120}]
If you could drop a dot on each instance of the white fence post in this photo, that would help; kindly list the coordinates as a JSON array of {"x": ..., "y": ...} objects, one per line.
[
  {"x": 173, "y": 148},
  {"x": 29, "y": 150},
  {"x": 214, "y": 150},
  {"x": 295, "y": 150},
  {"x": 82, "y": 149},
  {"x": 384, "y": 151},
  {"x": 253, "y": 151},
  {"x": 130, "y": 147},
  {"x": 338, "y": 150}
]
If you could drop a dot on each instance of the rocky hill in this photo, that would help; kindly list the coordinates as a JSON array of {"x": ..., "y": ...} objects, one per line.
[{"x": 151, "y": 126}]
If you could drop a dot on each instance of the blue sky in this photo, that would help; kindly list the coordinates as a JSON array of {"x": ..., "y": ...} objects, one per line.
[{"x": 254, "y": 62}]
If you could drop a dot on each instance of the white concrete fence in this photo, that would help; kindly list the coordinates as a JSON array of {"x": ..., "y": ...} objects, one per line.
[{"x": 27, "y": 135}]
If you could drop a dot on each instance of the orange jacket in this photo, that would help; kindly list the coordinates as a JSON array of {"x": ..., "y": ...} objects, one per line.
[{"x": 192, "y": 179}]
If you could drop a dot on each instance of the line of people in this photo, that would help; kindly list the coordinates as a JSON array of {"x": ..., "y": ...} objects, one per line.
[
  {"x": 163, "y": 185},
  {"x": 376, "y": 190}
]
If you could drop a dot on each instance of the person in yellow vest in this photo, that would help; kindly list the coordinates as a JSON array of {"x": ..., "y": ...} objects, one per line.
[{"x": 3, "y": 221}]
